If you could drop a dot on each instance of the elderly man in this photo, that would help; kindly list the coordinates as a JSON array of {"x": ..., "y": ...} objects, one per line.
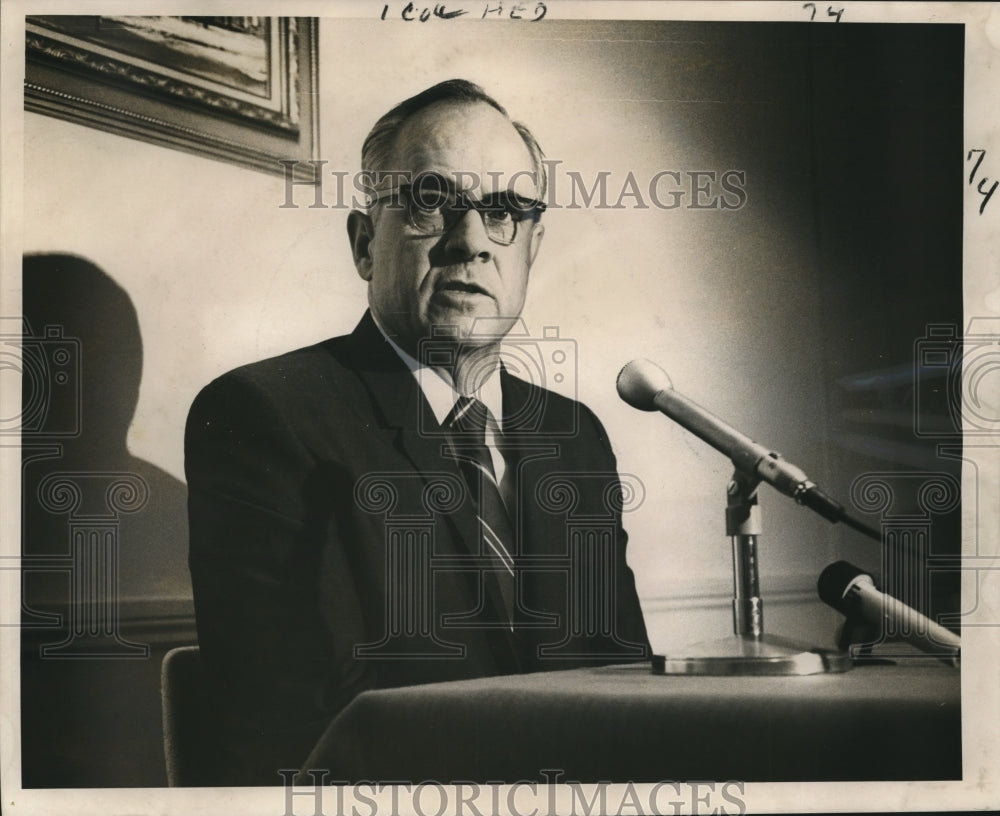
[{"x": 393, "y": 506}]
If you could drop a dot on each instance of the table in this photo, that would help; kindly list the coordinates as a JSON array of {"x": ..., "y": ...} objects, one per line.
[{"x": 622, "y": 723}]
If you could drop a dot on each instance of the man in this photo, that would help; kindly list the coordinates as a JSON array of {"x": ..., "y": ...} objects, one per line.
[{"x": 357, "y": 521}]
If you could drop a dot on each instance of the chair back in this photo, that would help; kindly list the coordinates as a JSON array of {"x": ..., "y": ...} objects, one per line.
[{"x": 188, "y": 727}]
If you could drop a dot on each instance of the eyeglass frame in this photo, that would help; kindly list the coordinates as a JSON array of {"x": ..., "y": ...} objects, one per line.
[{"x": 463, "y": 202}]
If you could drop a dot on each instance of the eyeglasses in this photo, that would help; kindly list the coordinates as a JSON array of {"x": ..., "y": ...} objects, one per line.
[{"x": 433, "y": 208}]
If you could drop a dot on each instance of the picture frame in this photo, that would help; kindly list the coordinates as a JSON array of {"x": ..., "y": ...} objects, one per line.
[{"x": 237, "y": 89}]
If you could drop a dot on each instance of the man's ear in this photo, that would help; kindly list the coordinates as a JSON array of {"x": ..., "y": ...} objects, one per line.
[
  {"x": 360, "y": 231},
  {"x": 535, "y": 242}
]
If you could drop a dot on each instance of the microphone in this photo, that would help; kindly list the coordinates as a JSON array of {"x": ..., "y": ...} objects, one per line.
[
  {"x": 852, "y": 592},
  {"x": 646, "y": 386}
]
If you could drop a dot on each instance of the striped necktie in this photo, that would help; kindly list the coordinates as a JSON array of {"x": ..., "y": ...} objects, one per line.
[{"x": 467, "y": 423}]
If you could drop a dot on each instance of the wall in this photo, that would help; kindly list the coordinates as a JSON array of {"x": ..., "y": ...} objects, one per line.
[{"x": 838, "y": 259}]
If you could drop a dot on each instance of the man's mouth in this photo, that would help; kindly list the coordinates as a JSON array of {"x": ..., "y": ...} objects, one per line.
[{"x": 465, "y": 287}]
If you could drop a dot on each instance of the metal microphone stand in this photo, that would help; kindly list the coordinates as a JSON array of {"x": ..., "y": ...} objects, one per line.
[{"x": 749, "y": 651}]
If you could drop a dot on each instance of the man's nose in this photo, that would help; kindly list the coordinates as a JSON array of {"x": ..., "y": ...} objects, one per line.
[{"x": 467, "y": 239}]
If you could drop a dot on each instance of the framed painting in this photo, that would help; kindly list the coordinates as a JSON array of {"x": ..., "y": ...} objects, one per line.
[{"x": 239, "y": 89}]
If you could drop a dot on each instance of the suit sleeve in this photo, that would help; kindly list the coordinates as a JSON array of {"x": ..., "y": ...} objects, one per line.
[{"x": 276, "y": 670}]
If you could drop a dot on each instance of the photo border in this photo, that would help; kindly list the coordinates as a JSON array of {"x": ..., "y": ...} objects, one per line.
[{"x": 979, "y": 788}]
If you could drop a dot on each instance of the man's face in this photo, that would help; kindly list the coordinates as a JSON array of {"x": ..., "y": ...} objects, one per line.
[{"x": 417, "y": 281}]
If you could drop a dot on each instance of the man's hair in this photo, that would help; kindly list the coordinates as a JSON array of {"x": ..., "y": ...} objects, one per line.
[{"x": 382, "y": 137}]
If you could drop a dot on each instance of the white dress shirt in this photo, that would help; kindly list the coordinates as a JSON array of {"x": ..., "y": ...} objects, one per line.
[{"x": 438, "y": 389}]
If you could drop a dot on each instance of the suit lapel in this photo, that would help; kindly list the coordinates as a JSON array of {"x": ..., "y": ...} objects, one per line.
[
  {"x": 408, "y": 420},
  {"x": 400, "y": 407},
  {"x": 533, "y": 453}
]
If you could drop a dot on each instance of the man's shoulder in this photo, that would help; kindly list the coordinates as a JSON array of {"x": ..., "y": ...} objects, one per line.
[
  {"x": 317, "y": 360},
  {"x": 327, "y": 362},
  {"x": 534, "y": 407},
  {"x": 289, "y": 384},
  {"x": 529, "y": 390}
]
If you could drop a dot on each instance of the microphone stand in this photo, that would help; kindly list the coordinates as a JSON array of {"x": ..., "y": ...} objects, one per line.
[{"x": 749, "y": 651}]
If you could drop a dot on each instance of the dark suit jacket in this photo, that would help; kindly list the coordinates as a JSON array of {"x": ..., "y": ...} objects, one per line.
[{"x": 321, "y": 503}]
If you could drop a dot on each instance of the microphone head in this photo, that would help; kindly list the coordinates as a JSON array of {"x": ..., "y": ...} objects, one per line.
[
  {"x": 640, "y": 381},
  {"x": 835, "y": 581}
]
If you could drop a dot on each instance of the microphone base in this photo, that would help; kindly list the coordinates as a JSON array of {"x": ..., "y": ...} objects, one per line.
[{"x": 743, "y": 655}]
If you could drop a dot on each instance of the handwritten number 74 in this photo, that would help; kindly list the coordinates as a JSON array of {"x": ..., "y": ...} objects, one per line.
[
  {"x": 986, "y": 194},
  {"x": 830, "y": 11}
]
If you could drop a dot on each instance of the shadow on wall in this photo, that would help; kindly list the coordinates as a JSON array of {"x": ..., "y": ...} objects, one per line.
[
  {"x": 105, "y": 583},
  {"x": 82, "y": 368}
]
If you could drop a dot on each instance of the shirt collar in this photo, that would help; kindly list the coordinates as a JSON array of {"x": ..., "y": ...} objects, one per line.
[{"x": 438, "y": 387}]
